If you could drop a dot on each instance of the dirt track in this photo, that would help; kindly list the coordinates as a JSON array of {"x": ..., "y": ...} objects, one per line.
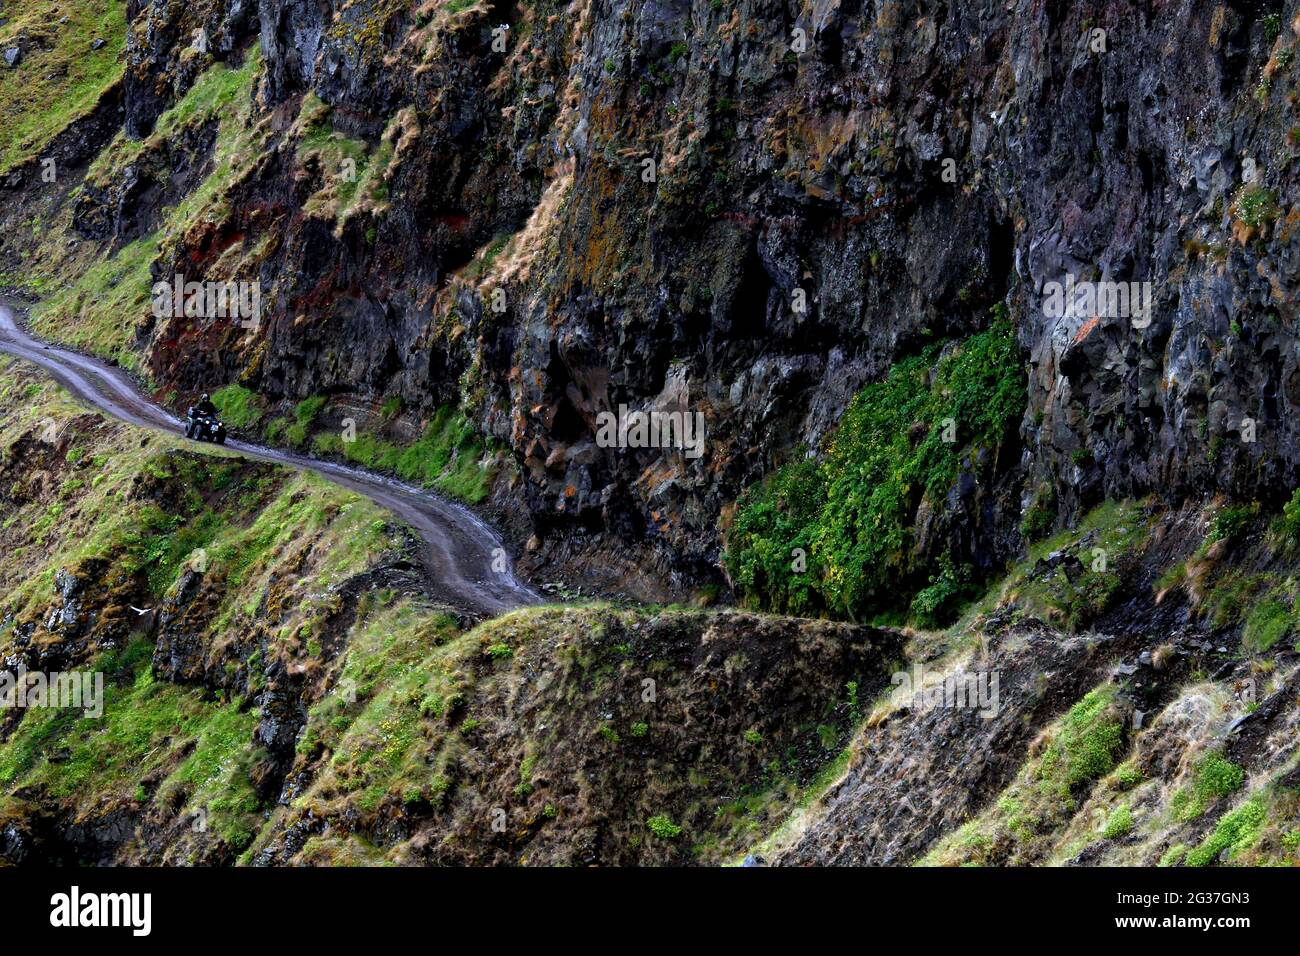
[{"x": 459, "y": 548}]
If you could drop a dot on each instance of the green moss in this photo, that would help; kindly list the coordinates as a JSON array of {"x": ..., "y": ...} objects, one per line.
[
  {"x": 849, "y": 518},
  {"x": 1232, "y": 595}
]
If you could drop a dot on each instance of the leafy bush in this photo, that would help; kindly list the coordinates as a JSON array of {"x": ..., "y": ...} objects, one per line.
[
  {"x": 1120, "y": 823},
  {"x": 1215, "y": 778},
  {"x": 773, "y": 535},
  {"x": 1231, "y": 522},
  {"x": 1040, "y": 517},
  {"x": 1256, "y": 205},
  {"x": 664, "y": 828},
  {"x": 1090, "y": 739},
  {"x": 1235, "y": 832},
  {"x": 836, "y": 535},
  {"x": 935, "y": 603},
  {"x": 1288, "y": 526},
  {"x": 1267, "y": 623}
]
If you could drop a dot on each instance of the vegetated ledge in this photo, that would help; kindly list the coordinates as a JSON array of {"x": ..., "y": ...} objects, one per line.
[{"x": 444, "y": 453}]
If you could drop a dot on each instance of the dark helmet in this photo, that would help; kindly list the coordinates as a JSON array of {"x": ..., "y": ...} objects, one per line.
[{"x": 204, "y": 398}]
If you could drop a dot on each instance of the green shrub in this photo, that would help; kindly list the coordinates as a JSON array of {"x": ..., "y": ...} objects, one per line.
[
  {"x": 1287, "y": 526},
  {"x": 1256, "y": 205},
  {"x": 1040, "y": 517},
  {"x": 1215, "y": 777},
  {"x": 850, "y": 516},
  {"x": 1090, "y": 739},
  {"x": 773, "y": 536},
  {"x": 664, "y": 828},
  {"x": 1235, "y": 831},
  {"x": 935, "y": 604},
  {"x": 1120, "y": 823},
  {"x": 1232, "y": 522},
  {"x": 1173, "y": 855},
  {"x": 1268, "y": 622}
]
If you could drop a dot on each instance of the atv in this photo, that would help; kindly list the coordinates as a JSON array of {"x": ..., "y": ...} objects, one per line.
[{"x": 203, "y": 427}]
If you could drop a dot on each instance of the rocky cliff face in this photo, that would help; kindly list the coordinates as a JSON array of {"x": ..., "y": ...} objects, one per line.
[
  {"x": 830, "y": 186},
  {"x": 742, "y": 209}
]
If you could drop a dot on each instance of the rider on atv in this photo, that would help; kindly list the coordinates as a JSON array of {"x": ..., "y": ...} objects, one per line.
[{"x": 202, "y": 423}]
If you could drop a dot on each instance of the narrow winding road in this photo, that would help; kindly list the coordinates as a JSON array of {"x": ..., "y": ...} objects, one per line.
[{"x": 459, "y": 548}]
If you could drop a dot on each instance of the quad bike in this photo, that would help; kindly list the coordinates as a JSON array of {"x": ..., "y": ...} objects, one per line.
[{"x": 201, "y": 426}]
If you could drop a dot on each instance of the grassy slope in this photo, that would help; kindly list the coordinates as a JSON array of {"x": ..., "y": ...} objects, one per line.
[
  {"x": 539, "y": 714},
  {"x": 274, "y": 543},
  {"x": 52, "y": 88},
  {"x": 100, "y": 309}
]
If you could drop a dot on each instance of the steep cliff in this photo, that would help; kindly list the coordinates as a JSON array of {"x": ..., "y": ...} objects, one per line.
[
  {"x": 832, "y": 187},
  {"x": 833, "y": 229}
]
